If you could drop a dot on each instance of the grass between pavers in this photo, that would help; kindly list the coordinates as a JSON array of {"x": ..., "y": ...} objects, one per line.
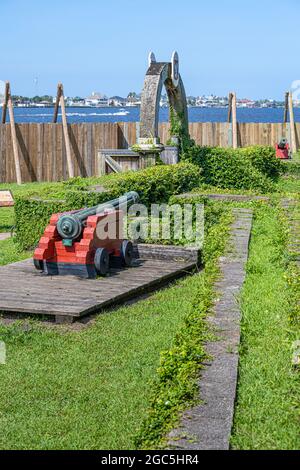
[{"x": 267, "y": 410}]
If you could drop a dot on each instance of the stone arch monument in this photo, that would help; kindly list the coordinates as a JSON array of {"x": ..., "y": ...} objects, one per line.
[{"x": 161, "y": 74}]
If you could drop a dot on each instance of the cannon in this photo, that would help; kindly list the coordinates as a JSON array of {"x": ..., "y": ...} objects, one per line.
[
  {"x": 86, "y": 242},
  {"x": 283, "y": 149}
]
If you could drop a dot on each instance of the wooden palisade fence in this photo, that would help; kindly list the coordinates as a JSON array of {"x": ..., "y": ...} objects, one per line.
[{"x": 42, "y": 147}]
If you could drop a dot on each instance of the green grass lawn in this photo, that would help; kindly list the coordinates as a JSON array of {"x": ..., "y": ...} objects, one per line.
[
  {"x": 267, "y": 411},
  {"x": 88, "y": 389},
  {"x": 296, "y": 157},
  {"x": 92, "y": 389},
  {"x": 289, "y": 184},
  {"x": 9, "y": 253},
  {"x": 22, "y": 189},
  {"x": 6, "y": 219}
]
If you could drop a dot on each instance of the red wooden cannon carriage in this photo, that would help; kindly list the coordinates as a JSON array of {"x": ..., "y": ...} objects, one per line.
[{"x": 86, "y": 242}]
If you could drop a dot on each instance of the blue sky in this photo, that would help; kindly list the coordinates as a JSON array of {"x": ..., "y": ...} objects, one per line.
[{"x": 89, "y": 45}]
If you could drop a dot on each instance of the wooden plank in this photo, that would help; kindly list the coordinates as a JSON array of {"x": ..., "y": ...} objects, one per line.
[
  {"x": 14, "y": 139},
  {"x": 56, "y": 107},
  {"x": 70, "y": 162},
  {"x": 24, "y": 290},
  {"x": 286, "y": 107},
  {"x": 5, "y": 102},
  {"x": 292, "y": 124},
  {"x": 39, "y": 159},
  {"x": 2, "y": 155},
  {"x": 229, "y": 107},
  {"x": 234, "y": 123}
]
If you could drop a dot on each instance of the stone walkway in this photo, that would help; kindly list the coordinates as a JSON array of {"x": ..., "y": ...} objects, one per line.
[{"x": 208, "y": 425}]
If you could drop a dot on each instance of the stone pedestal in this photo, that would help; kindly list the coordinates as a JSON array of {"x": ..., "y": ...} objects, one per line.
[{"x": 170, "y": 155}]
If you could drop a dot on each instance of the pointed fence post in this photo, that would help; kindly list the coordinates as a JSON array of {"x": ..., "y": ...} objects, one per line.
[
  {"x": 234, "y": 123},
  {"x": 292, "y": 124},
  {"x": 229, "y": 107},
  {"x": 58, "y": 95},
  {"x": 286, "y": 108},
  {"x": 232, "y": 120},
  {"x": 60, "y": 101},
  {"x": 13, "y": 134},
  {"x": 4, "y": 107}
]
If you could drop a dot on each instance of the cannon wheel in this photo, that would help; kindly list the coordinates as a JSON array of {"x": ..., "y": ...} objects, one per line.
[
  {"x": 101, "y": 261},
  {"x": 127, "y": 252},
  {"x": 38, "y": 264}
]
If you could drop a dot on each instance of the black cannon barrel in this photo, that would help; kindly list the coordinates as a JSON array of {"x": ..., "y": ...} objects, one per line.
[{"x": 69, "y": 226}]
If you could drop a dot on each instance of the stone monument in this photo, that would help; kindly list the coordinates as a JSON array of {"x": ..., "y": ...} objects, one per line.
[{"x": 161, "y": 74}]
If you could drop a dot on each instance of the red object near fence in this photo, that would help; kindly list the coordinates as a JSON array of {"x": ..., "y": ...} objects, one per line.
[{"x": 283, "y": 150}]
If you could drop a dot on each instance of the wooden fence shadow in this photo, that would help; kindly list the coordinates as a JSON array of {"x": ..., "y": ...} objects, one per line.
[
  {"x": 122, "y": 140},
  {"x": 239, "y": 136},
  {"x": 78, "y": 156},
  {"x": 25, "y": 154},
  {"x": 297, "y": 138}
]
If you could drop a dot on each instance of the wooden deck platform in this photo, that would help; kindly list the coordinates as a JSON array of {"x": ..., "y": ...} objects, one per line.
[{"x": 25, "y": 290}]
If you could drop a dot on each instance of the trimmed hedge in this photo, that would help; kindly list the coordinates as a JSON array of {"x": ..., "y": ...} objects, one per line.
[
  {"x": 235, "y": 169},
  {"x": 264, "y": 159},
  {"x": 154, "y": 185}
]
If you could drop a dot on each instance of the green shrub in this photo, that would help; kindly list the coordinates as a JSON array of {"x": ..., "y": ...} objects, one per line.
[
  {"x": 154, "y": 185},
  {"x": 157, "y": 184},
  {"x": 264, "y": 159},
  {"x": 291, "y": 168},
  {"x": 228, "y": 169}
]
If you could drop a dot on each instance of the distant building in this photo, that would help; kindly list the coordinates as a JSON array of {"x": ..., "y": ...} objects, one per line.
[
  {"x": 211, "y": 101},
  {"x": 133, "y": 99},
  {"x": 96, "y": 99},
  {"x": 78, "y": 102},
  {"x": 117, "y": 101},
  {"x": 245, "y": 103}
]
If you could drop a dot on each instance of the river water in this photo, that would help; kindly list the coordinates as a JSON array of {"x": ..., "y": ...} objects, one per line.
[{"x": 132, "y": 114}]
